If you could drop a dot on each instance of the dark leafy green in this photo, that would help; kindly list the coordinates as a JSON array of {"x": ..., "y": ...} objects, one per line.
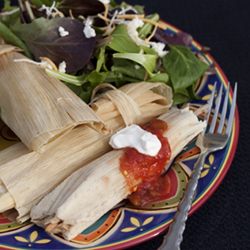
[
  {"x": 83, "y": 7},
  {"x": 183, "y": 67},
  {"x": 149, "y": 50},
  {"x": 160, "y": 77},
  {"x": 122, "y": 42},
  {"x": 128, "y": 68},
  {"x": 101, "y": 59},
  {"x": 179, "y": 98},
  {"x": 93, "y": 79},
  {"x": 43, "y": 40},
  {"x": 180, "y": 38},
  {"x": 114, "y": 58},
  {"x": 146, "y": 60},
  {"x": 11, "y": 38}
]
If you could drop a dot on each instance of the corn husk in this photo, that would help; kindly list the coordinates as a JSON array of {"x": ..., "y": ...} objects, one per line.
[
  {"x": 28, "y": 177},
  {"x": 93, "y": 190},
  {"x": 37, "y": 107}
]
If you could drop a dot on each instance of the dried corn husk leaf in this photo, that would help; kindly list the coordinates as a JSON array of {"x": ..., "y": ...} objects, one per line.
[
  {"x": 93, "y": 190},
  {"x": 30, "y": 176},
  {"x": 37, "y": 107}
]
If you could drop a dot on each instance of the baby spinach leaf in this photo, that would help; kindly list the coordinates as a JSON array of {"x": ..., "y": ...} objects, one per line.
[
  {"x": 43, "y": 39},
  {"x": 122, "y": 42},
  {"x": 128, "y": 68},
  {"x": 83, "y": 7},
  {"x": 183, "y": 67},
  {"x": 11, "y": 38},
  {"x": 160, "y": 77},
  {"x": 180, "y": 98},
  {"x": 192, "y": 93},
  {"x": 146, "y": 60}
]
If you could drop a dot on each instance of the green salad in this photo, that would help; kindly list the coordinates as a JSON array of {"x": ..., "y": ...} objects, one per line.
[{"x": 90, "y": 42}]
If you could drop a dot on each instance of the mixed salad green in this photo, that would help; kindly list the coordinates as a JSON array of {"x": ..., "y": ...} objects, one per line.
[{"x": 97, "y": 41}]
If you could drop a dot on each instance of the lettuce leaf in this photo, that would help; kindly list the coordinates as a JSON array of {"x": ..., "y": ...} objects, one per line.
[
  {"x": 11, "y": 38},
  {"x": 43, "y": 40},
  {"x": 146, "y": 60},
  {"x": 122, "y": 42},
  {"x": 183, "y": 67},
  {"x": 82, "y": 7}
]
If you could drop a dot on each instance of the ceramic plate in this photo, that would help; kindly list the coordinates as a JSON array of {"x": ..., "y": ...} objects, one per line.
[{"x": 126, "y": 226}]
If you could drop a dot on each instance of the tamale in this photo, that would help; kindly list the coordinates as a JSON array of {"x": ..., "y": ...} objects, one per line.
[
  {"x": 28, "y": 177},
  {"x": 37, "y": 107},
  {"x": 93, "y": 190}
]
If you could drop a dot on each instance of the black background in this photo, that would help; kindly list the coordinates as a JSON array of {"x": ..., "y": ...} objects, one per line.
[{"x": 222, "y": 223}]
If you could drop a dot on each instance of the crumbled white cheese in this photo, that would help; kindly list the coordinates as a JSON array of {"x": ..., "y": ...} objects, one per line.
[
  {"x": 104, "y": 1},
  {"x": 159, "y": 48},
  {"x": 62, "y": 67},
  {"x": 88, "y": 30},
  {"x": 62, "y": 31},
  {"x": 135, "y": 137},
  {"x": 132, "y": 27}
]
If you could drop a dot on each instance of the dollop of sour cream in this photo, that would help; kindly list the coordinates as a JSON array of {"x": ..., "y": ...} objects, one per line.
[{"x": 135, "y": 137}]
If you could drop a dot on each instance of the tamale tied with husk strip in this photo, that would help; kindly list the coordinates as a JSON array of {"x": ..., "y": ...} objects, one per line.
[
  {"x": 93, "y": 190},
  {"x": 30, "y": 176},
  {"x": 37, "y": 107}
]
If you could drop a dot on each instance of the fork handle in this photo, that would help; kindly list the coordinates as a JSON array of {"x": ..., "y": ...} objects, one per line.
[{"x": 173, "y": 238}]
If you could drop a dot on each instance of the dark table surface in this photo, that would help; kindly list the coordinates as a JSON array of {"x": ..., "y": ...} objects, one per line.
[{"x": 223, "y": 222}]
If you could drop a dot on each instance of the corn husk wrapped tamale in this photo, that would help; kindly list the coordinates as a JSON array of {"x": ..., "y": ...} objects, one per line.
[
  {"x": 37, "y": 107},
  {"x": 93, "y": 190},
  {"x": 28, "y": 177}
]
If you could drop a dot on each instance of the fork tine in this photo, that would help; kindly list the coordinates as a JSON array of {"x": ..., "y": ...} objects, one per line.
[
  {"x": 210, "y": 104},
  {"x": 232, "y": 111},
  {"x": 224, "y": 111},
  {"x": 216, "y": 112}
]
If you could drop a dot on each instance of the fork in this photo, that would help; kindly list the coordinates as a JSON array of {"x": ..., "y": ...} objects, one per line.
[{"x": 208, "y": 142}]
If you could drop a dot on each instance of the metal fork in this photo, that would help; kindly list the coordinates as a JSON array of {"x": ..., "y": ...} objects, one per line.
[{"x": 207, "y": 142}]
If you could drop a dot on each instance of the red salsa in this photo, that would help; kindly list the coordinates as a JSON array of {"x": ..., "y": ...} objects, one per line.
[{"x": 144, "y": 173}]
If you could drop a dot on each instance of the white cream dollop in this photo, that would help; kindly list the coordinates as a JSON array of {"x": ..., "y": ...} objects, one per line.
[{"x": 135, "y": 137}]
